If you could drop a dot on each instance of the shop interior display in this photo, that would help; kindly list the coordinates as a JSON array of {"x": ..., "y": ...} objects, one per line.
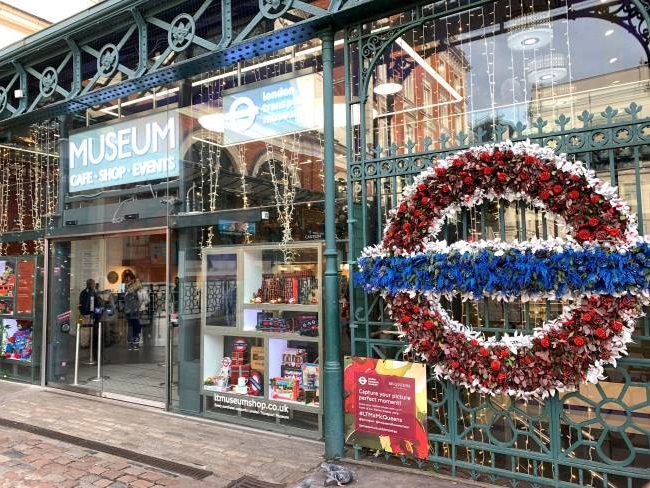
[
  {"x": 261, "y": 333},
  {"x": 17, "y": 295}
]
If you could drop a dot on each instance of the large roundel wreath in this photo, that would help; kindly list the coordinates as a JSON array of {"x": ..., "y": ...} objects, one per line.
[{"x": 602, "y": 270}]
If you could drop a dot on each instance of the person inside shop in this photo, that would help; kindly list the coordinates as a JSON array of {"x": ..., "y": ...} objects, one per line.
[
  {"x": 89, "y": 302},
  {"x": 132, "y": 307}
]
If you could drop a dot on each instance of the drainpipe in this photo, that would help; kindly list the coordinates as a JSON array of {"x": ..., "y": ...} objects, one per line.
[{"x": 333, "y": 371}]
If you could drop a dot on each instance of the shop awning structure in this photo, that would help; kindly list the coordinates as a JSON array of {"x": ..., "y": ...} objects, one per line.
[{"x": 36, "y": 67}]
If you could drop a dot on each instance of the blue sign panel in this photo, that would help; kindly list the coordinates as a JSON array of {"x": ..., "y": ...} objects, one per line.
[
  {"x": 134, "y": 151},
  {"x": 283, "y": 107}
]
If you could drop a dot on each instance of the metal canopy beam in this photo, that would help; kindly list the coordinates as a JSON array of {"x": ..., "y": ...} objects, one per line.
[{"x": 193, "y": 42}]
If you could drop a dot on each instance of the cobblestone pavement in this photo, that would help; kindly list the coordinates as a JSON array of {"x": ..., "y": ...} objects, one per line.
[{"x": 28, "y": 460}]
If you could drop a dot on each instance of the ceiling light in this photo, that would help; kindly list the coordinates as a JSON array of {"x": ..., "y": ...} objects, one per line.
[
  {"x": 523, "y": 38},
  {"x": 389, "y": 88},
  {"x": 609, "y": 32},
  {"x": 530, "y": 41},
  {"x": 613, "y": 60},
  {"x": 615, "y": 82},
  {"x": 543, "y": 69}
]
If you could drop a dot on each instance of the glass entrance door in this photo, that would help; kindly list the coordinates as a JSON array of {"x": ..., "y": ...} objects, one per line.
[{"x": 108, "y": 324}]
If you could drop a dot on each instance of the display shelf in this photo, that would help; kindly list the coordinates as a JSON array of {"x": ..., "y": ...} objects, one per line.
[
  {"x": 290, "y": 307},
  {"x": 287, "y": 336},
  {"x": 17, "y": 362},
  {"x": 265, "y": 339}
]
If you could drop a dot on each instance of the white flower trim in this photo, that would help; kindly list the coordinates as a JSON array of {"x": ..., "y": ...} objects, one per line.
[
  {"x": 577, "y": 168},
  {"x": 517, "y": 342}
]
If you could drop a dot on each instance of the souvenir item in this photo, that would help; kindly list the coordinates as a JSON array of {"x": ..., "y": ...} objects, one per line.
[
  {"x": 257, "y": 358},
  {"x": 17, "y": 339},
  {"x": 242, "y": 386},
  {"x": 255, "y": 383},
  {"x": 284, "y": 389}
]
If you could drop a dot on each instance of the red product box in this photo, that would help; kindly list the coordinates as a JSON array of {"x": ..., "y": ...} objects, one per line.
[{"x": 237, "y": 371}]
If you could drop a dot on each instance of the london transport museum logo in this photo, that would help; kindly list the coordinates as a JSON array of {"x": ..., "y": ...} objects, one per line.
[{"x": 601, "y": 270}]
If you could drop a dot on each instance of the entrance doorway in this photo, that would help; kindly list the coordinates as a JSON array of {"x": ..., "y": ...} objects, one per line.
[{"x": 108, "y": 327}]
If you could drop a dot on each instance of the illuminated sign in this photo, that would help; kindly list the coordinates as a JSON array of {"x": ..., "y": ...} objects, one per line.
[
  {"x": 134, "y": 151},
  {"x": 283, "y": 107}
]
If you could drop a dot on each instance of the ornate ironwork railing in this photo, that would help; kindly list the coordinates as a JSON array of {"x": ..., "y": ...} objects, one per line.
[{"x": 598, "y": 436}]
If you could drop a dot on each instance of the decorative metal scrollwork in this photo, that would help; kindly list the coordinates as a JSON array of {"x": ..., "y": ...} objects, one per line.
[
  {"x": 181, "y": 32},
  {"x": 373, "y": 44},
  {"x": 3, "y": 99},
  {"x": 273, "y": 9},
  {"x": 48, "y": 82},
  {"x": 108, "y": 60}
]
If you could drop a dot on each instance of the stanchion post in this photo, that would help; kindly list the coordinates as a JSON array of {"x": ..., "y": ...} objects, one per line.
[
  {"x": 76, "y": 356},
  {"x": 99, "y": 350},
  {"x": 90, "y": 346}
]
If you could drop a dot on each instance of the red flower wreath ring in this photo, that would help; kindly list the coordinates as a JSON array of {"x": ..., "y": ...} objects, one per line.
[{"x": 566, "y": 352}]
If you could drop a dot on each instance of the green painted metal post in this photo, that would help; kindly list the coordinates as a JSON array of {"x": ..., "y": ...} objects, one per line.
[{"x": 333, "y": 371}]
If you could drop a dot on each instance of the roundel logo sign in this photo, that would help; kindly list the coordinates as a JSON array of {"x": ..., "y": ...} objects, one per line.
[{"x": 242, "y": 114}]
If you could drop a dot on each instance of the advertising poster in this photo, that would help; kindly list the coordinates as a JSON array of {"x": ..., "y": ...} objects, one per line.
[
  {"x": 283, "y": 107},
  {"x": 7, "y": 278},
  {"x": 6, "y": 306},
  {"x": 25, "y": 287},
  {"x": 137, "y": 150},
  {"x": 386, "y": 406},
  {"x": 17, "y": 339}
]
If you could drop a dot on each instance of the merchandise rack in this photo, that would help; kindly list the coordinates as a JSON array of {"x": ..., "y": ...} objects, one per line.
[{"x": 247, "y": 263}]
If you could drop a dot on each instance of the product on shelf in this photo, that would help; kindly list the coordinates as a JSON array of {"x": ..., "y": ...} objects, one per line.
[
  {"x": 293, "y": 287},
  {"x": 239, "y": 349},
  {"x": 220, "y": 382},
  {"x": 257, "y": 358},
  {"x": 306, "y": 325},
  {"x": 310, "y": 374},
  {"x": 266, "y": 322},
  {"x": 255, "y": 383},
  {"x": 240, "y": 369},
  {"x": 292, "y": 361},
  {"x": 285, "y": 389},
  {"x": 310, "y": 383},
  {"x": 294, "y": 357},
  {"x": 242, "y": 386}
]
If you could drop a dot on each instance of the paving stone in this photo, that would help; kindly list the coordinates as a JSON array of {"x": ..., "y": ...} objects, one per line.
[
  {"x": 89, "y": 478},
  {"x": 127, "y": 478},
  {"x": 141, "y": 484},
  {"x": 103, "y": 483},
  {"x": 226, "y": 451}
]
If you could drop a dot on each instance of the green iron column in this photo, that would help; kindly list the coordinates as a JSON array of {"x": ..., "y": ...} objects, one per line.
[{"x": 333, "y": 371}]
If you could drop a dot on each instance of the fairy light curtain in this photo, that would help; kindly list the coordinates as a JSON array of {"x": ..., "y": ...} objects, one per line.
[{"x": 29, "y": 178}]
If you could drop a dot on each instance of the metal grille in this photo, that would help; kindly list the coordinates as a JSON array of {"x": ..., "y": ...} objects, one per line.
[
  {"x": 250, "y": 482},
  {"x": 598, "y": 436}
]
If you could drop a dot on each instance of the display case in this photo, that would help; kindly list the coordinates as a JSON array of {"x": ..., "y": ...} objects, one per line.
[
  {"x": 261, "y": 334},
  {"x": 20, "y": 316}
]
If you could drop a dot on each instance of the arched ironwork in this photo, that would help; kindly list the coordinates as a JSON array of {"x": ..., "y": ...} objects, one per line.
[{"x": 597, "y": 436}]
